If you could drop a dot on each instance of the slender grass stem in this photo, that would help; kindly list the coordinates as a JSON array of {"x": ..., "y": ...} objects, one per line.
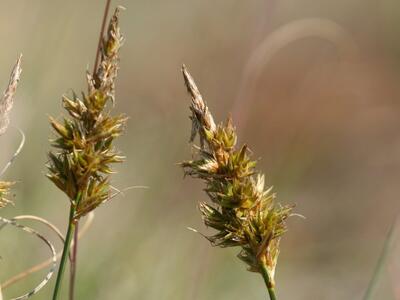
[
  {"x": 72, "y": 273},
  {"x": 268, "y": 282},
  {"x": 67, "y": 244}
]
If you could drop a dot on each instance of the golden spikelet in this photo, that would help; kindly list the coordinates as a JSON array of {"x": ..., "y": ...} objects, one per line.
[
  {"x": 4, "y": 192},
  {"x": 82, "y": 162},
  {"x": 242, "y": 211}
]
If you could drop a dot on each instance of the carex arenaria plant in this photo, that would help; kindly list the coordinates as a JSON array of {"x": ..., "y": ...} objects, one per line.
[
  {"x": 80, "y": 164},
  {"x": 6, "y": 103},
  {"x": 242, "y": 211}
]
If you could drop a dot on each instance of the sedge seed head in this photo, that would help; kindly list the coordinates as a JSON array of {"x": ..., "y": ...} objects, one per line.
[
  {"x": 242, "y": 211},
  {"x": 81, "y": 162}
]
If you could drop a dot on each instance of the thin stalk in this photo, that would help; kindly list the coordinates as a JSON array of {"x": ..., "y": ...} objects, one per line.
[
  {"x": 72, "y": 273},
  {"x": 67, "y": 245},
  {"x": 74, "y": 255},
  {"x": 103, "y": 27},
  {"x": 268, "y": 281}
]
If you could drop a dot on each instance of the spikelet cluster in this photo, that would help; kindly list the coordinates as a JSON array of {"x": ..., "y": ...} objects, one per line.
[
  {"x": 242, "y": 211},
  {"x": 6, "y": 103},
  {"x": 81, "y": 164}
]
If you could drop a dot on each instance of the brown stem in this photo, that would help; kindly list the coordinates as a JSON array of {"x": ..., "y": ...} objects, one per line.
[
  {"x": 75, "y": 245},
  {"x": 103, "y": 27}
]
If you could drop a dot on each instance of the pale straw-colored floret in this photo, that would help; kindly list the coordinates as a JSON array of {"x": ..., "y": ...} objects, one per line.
[{"x": 7, "y": 100}]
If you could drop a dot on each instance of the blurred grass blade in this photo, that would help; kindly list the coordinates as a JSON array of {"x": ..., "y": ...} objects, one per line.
[{"x": 373, "y": 284}]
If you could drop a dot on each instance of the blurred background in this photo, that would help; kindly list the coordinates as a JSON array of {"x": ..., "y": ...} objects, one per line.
[{"x": 314, "y": 90}]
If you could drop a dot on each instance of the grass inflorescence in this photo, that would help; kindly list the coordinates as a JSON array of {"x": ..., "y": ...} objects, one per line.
[
  {"x": 242, "y": 211},
  {"x": 81, "y": 165}
]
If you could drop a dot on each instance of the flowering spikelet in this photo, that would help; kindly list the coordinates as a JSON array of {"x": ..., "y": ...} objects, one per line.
[
  {"x": 6, "y": 103},
  {"x": 81, "y": 166},
  {"x": 243, "y": 212}
]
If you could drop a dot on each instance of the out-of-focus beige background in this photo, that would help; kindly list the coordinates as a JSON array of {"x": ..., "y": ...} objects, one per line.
[{"x": 314, "y": 87}]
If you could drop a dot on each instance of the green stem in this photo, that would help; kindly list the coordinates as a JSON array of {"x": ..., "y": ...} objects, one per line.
[
  {"x": 73, "y": 264},
  {"x": 268, "y": 281},
  {"x": 67, "y": 246}
]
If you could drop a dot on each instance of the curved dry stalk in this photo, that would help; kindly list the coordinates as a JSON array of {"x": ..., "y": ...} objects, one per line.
[
  {"x": 43, "y": 221},
  {"x": 40, "y": 220},
  {"x": 53, "y": 259},
  {"x": 276, "y": 41},
  {"x": 16, "y": 153},
  {"x": 47, "y": 262}
]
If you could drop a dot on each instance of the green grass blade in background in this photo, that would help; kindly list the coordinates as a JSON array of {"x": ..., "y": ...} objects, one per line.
[{"x": 380, "y": 266}]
